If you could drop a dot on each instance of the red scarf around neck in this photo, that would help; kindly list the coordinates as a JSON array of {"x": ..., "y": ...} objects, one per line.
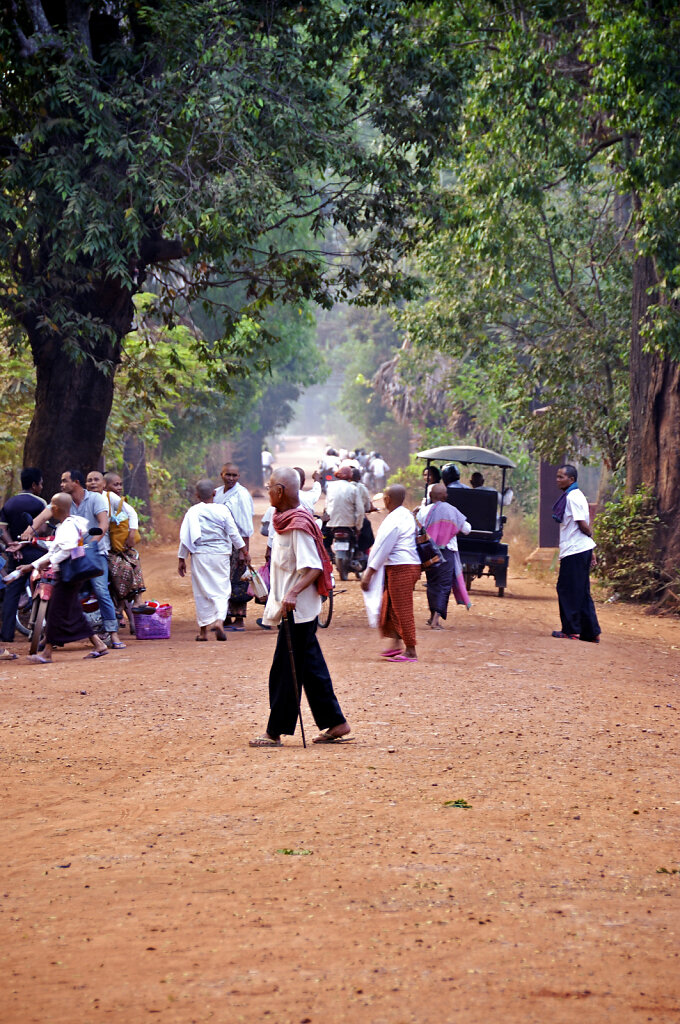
[{"x": 302, "y": 519}]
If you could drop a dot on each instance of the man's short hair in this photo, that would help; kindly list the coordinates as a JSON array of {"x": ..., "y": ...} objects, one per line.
[
  {"x": 76, "y": 476},
  {"x": 450, "y": 473},
  {"x": 205, "y": 489},
  {"x": 301, "y": 473},
  {"x": 477, "y": 480},
  {"x": 30, "y": 475},
  {"x": 570, "y": 471},
  {"x": 356, "y": 475}
]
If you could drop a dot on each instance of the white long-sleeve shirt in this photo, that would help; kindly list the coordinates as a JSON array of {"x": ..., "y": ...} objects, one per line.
[
  {"x": 208, "y": 528},
  {"x": 67, "y": 537},
  {"x": 240, "y": 503},
  {"x": 395, "y": 541}
]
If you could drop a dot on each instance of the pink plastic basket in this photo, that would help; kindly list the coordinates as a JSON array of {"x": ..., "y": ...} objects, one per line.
[{"x": 154, "y": 627}]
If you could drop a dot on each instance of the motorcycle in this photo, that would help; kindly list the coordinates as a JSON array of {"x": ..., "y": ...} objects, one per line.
[
  {"x": 42, "y": 593},
  {"x": 346, "y": 554}
]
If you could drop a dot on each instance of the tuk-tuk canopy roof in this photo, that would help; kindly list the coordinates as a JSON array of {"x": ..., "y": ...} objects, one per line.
[{"x": 466, "y": 454}]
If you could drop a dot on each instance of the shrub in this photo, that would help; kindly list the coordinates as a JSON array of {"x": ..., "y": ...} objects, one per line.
[{"x": 625, "y": 534}]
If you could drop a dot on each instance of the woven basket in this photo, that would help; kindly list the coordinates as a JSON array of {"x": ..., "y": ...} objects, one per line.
[{"x": 153, "y": 627}]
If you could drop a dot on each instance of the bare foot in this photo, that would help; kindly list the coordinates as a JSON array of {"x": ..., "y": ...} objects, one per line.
[{"x": 337, "y": 732}]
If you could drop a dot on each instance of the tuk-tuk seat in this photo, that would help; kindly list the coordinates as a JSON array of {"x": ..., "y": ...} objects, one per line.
[{"x": 480, "y": 508}]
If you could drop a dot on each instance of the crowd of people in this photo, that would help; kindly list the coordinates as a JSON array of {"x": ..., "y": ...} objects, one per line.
[
  {"x": 215, "y": 537},
  {"x": 87, "y": 510}
]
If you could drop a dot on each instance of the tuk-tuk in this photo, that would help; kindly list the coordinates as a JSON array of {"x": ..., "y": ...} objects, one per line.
[{"x": 482, "y": 552}]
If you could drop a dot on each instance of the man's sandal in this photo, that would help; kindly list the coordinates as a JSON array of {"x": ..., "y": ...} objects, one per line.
[{"x": 264, "y": 741}]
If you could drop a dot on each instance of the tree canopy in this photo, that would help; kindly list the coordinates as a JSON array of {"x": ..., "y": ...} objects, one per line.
[{"x": 186, "y": 139}]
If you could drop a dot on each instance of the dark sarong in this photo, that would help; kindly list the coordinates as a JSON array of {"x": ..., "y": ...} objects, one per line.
[
  {"x": 125, "y": 573},
  {"x": 396, "y": 613},
  {"x": 65, "y": 620},
  {"x": 239, "y": 589},
  {"x": 439, "y": 582}
]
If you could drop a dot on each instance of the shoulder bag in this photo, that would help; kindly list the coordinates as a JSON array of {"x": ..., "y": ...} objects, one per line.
[{"x": 428, "y": 552}]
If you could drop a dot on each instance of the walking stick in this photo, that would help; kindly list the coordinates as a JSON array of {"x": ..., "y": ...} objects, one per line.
[{"x": 298, "y": 696}]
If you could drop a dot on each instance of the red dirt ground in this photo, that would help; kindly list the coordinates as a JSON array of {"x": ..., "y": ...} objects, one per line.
[{"x": 156, "y": 868}]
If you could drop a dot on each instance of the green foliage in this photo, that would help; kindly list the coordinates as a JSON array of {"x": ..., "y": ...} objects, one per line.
[
  {"x": 17, "y": 385},
  {"x": 205, "y": 132},
  {"x": 626, "y": 532}
]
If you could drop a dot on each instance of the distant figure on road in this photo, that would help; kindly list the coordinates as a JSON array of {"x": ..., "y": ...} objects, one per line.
[{"x": 267, "y": 463}]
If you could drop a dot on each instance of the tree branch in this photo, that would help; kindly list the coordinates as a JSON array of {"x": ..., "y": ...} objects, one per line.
[{"x": 78, "y": 19}]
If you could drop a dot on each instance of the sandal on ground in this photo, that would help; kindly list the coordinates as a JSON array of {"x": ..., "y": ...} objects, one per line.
[
  {"x": 264, "y": 741},
  {"x": 200, "y": 639},
  {"x": 119, "y": 645},
  {"x": 402, "y": 657},
  {"x": 391, "y": 653},
  {"x": 96, "y": 654},
  {"x": 559, "y": 635},
  {"x": 37, "y": 659},
  {"x": 220, "y": 634},
  {"x": 325, "y": 738},
  {"x": 8, "y": 656}
]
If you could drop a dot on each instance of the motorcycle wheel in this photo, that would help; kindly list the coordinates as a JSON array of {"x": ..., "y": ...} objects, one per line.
[
  {"x": 23, "y": 618},
  {"x": 326, "y": 613},
  {"x": 36, "y": 635},
  {"x": 343, "y": 567}
]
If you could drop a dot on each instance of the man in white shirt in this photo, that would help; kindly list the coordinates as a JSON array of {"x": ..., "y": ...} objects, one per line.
[
  {"x": 344, "y": 503},
  {"x": 379, "y": 470},
  {"x": 208, "y": 533},
  {"x": 267, "y": 463},
  {"x": 395, "y": 553},
  {"x": 239, "y": 502},
  {"x": 299, "y": 574},
  {"x": 577, "y": 611}
]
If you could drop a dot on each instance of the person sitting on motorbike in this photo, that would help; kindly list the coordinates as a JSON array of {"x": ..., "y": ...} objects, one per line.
[
  {"x": 344, "y": 504},
  {"x": 65, "y": 621},
  {"x": 366, "y": 536}
]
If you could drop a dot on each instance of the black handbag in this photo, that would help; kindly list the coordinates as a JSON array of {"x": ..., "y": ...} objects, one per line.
[
  {"x": 85, "y": 567},
  {"x": 428, "y": 552}
]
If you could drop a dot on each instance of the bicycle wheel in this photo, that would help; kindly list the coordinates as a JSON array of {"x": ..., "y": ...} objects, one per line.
[
  {"x": 326, "y": 613},
  {"x": 36, "y": 635}
]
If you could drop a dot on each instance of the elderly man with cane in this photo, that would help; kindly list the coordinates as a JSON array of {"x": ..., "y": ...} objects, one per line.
[{"x": 300, "y": 573}]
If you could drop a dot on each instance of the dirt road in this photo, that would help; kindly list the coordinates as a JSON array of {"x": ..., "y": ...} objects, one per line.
[{"x": 499, "y": 842}]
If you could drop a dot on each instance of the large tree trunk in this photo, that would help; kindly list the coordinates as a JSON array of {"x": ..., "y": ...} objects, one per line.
[
  {"x": 654, "y": 421},
  {"x": 135, "y": 476},
  {"x": 73, "y": 398}
]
